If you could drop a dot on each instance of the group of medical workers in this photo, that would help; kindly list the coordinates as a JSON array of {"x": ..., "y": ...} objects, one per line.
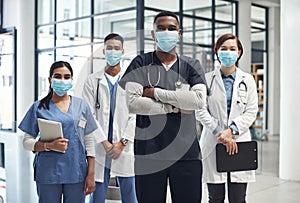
[{"x": 138, "y": 124}]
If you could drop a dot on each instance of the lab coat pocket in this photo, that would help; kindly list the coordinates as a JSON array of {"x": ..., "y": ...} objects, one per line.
[{"x": 241, "y": 106}]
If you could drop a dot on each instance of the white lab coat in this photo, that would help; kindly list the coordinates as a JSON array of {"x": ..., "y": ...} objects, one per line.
[
  {"x": 243, "y": 113},
  {"x": 123, "y": 126}
]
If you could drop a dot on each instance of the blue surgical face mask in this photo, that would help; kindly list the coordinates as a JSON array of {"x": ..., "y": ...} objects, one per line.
[
  {"x": 228, "y": 58},
  {"x": 61, "y": 87},
  {"x": 113, "y": 57},
  {"x": 166, "y": 40}
]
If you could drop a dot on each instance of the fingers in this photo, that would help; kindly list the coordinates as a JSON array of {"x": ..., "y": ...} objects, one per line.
[
  {"x": 231, "y": 147},
  {"x": 116, "y": 150},
  {"x": 89, "y": 186}
]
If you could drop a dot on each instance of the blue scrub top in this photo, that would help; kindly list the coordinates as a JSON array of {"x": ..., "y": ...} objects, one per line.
[{"x": 55, "y": 167}]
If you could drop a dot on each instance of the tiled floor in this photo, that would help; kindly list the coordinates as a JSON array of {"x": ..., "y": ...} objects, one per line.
[{"x": 268, "y": 188}]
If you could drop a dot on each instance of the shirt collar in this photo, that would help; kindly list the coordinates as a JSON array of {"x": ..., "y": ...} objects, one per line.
[{"x": 232, "y": 75}]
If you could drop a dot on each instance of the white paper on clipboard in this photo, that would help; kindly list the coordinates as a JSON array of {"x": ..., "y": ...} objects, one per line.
[{"x": 49, "y": 130}]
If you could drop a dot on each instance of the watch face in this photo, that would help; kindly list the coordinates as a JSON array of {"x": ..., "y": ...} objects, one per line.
[
  {"x": 124, "y": 141},
  {"x": 175, "y": 110}
]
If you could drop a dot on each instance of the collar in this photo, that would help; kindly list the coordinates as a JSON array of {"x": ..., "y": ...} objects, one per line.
[{"x": 231, "y": 76}]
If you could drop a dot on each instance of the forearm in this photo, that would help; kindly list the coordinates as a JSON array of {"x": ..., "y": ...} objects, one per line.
[
  {"x": 187, "y": 100},
  {"x": 29, "y": 142},
  {"x": 90, "y": 145},
  {"x": 208, "y": 120},
  {"x": 138, "y": 104},
  {"x": 91, "y": 165}
]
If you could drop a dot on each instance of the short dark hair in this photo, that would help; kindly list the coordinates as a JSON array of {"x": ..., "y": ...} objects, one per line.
[
  {"x": 165, "y": 13},
  {"x": 115, "y": 37},
  {"x": 224, "y": 38}
]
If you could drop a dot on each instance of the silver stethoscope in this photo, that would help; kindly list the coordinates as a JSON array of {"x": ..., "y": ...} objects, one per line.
[
  {"x": 178, "y": 83},
  {"x": 242, "y": 90}
]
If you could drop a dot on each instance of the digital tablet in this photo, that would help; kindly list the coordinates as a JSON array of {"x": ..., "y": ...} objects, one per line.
[
  {"x": 50, "y": 130},
  {"x": 245, "y": 159}
]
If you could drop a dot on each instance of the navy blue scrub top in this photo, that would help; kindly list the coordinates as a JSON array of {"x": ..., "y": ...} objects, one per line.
[{"x": 169, "y": 136}]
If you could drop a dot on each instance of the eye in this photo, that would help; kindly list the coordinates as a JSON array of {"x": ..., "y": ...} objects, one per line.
[
  {"x": 109, "y": 48},
  {"x": 57, "y": 76},
  {"x": 172, "y": 28},
  {"x": 67, "y": 76},
  {"x": 117, "y": 48},
  {"x": 160, "y": 28}
]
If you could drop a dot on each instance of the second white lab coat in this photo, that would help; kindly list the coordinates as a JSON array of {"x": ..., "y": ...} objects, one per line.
[
  {"x": 123, "y": 126},
  {"x": 243, "y": 112}
]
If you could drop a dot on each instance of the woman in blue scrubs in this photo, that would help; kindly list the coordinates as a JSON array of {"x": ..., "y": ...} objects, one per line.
[{"x": 69, "y": 175}]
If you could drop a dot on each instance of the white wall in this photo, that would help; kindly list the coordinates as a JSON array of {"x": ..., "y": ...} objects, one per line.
[
  {"x": 274, "y": 71},
  {"x": 290, "y": 93},
  {"x": 18, "y": 162}
]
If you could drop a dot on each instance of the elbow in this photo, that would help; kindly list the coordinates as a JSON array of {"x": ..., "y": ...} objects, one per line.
[{"x": 132, "y": 108}]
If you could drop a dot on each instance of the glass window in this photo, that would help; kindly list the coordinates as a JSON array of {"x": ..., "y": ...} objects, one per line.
[
  {"x": 163, "y": 5},
  {"x": 45, "y": 37},
  {"x": 258, "y": 27},
  {"x": 112, "y": 5},
  {"x": 123, "y": 23},
  {"x": 197, "y": 31},
  {"x": 225, "y": 11},
  {"x": 45, "y": 60},
  {"x": 45, "y": 11},
  {"x": 72, "y": 9},
  {"x": 73, "y": 33},
  {"x": 222, "y": 28},
  {"x": 7, "y": 81},
  {"x": 198, "y": 8},
  {"x": 258, "y": 16}
]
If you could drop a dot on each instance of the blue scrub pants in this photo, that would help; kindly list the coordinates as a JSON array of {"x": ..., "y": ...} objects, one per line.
[
  {"x": 53, "y": 193},
  {"x": 127, "y": 188}
]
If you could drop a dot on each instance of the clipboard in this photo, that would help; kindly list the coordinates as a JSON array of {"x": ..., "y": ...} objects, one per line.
[
  {"x": 244, "y": 160},
  {"x": 49, "y": 130}
]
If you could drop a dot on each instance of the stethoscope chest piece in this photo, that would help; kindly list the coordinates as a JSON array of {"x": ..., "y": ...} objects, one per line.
[{"x": 178, "y": 84}]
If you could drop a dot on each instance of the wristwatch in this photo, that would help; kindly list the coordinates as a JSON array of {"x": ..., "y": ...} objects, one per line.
[
  {"x": 175, "y": 110},
  {"x": 233, "y": 131},
  {"x": 124, "y": 141}
]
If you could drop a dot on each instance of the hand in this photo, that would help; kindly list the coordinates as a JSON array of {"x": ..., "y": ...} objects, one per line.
[
  {"x": 231, "y": 147},
  {"x": 225, "y": 136},
  {"x": 186, "y": 111},
  {"x": 117, "y": 149},
  {"x": 60, "y": 144},
  {"x": 107, "y": 145},
  {"x": 89, "y": 184},
  {"x": 148, "y": 92}
]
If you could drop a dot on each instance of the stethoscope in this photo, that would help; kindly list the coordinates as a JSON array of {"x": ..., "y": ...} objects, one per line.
[
  {"x": 178, "y": 83},
  {"x": 97, "y": 104},
  {"x": 242, "y": 90}
]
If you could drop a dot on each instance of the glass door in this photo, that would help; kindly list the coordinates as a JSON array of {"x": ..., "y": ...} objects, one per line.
[{"x": 8, "y": 80}]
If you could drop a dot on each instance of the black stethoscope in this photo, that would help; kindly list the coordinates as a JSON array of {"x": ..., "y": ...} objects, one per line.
[
  {"x": 242, "y": 89},
  {"x": 178, "y": 83},
  {"x": 97, "y": 104}
]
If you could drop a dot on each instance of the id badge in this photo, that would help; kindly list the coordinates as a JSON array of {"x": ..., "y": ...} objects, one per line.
[{"x": 82, "y": 123}]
